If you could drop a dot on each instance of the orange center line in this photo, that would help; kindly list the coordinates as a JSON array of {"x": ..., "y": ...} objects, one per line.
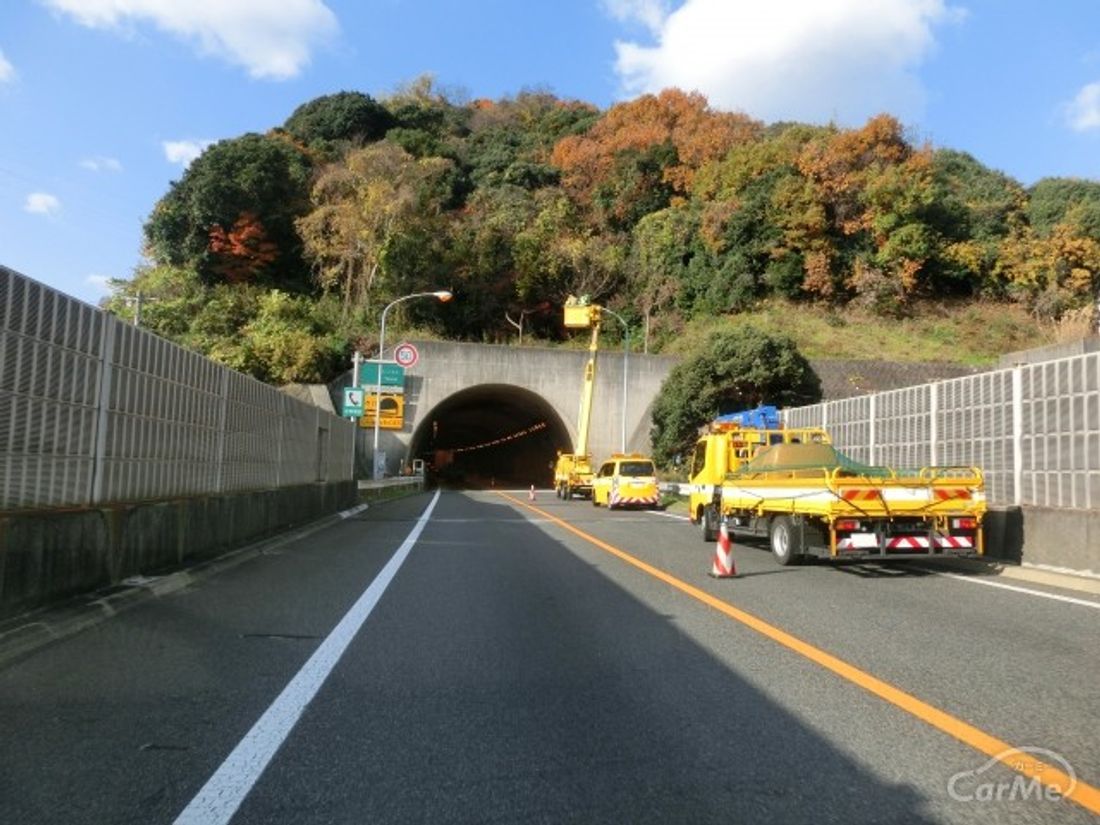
[{"x": 1085, "y": 795}]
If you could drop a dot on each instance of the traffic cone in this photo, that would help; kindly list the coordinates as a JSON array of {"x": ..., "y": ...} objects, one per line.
[
  {"x": 531, "y": 494},
  {"x": 723, "y": 567}
]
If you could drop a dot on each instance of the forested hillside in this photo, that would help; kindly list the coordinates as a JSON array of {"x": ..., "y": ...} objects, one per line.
[{"x": 275, "y": 253}]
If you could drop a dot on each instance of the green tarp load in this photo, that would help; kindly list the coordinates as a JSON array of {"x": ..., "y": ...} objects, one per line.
[{"x": 808, "y": 459}]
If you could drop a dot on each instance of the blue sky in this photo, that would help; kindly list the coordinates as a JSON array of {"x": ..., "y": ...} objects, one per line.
[{"x": 103, "y": 102}]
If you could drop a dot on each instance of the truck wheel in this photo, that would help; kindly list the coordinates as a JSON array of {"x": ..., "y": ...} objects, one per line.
[
  {"x": 709, "y": 523},
  {"x": 784, "y": 541}
]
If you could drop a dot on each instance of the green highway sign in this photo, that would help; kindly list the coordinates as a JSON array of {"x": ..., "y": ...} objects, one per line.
[{"x": 393, "y": 375}]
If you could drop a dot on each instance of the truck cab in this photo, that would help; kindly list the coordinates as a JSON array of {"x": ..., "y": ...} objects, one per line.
[
  {"x": 729, "y": 442},
  {"x": 573, "y": 475}
]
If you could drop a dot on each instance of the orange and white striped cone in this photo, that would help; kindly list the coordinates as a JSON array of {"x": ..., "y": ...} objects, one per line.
[
  {"x": 723, "y": 567},
  {"x": 531, "y": 494}
]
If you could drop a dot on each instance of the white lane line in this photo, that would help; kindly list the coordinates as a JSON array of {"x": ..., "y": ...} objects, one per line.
[
  {"x": 1027, "y": 590},
  {"x": 358, "y": 508},
  {"x": 669, "y": 515},
  {"x": 224, "y": 792}
]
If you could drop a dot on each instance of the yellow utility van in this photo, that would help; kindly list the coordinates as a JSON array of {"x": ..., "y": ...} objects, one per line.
[{"x": 626, "y": 480}]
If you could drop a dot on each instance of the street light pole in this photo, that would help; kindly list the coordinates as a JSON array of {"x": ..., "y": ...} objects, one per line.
[
  {"x": 440, "y": 295},
  {"x": 626, "y": 361}
]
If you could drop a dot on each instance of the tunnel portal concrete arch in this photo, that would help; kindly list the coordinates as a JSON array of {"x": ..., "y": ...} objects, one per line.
[{"x": 491, "y": 435}]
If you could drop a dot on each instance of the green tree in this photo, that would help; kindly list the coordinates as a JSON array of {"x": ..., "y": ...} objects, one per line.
[
  {"x": 1069, "y": 201},
  {"x": 423, "y": 106},
  {"x": 739, "y": 368},
  {"x": 253, "y": 177},
  {"x": 170, "y": 298},
  {"x": 345, "y": 116},
  {"x": 481, "y": 260},
  {"x": 661, "y": 251},
  {"x": 294, "y": 339},
  {"x": 362, "y": 207},
  {"x": 558, "y": 255},
  {"x": 973, "y": 209}
]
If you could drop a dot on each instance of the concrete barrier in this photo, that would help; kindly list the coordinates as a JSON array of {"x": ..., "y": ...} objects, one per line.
[
  {"x": 1061, "y": 538},
  {"x": 47, "y": 556},
  {"x": 387, "y": 488}
]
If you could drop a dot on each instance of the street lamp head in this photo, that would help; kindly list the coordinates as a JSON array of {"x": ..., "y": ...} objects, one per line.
[{"x": 443, "y": 295}]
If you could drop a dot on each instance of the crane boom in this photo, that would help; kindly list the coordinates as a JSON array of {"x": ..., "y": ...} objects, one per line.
[
  {"x": 584, "y": 416},
  {"x": 573, "y": 471}
]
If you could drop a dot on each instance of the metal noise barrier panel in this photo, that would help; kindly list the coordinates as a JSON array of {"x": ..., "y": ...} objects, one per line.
[
  {"x": 1034, "y": 430},
  {"x": 93, "y": 410}
]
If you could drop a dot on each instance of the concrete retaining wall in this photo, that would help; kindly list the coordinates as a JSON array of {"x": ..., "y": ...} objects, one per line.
[
  {"x": 47, "y": 556},
  {"x": 1059, "y": 538}
]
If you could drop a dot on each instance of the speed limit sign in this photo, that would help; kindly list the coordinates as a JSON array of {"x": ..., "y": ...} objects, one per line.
[{"x": 406, "y": 355}]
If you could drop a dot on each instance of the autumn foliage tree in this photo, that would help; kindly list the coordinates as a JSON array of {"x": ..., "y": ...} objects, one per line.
[
  {"x": 648, "y": 149},
  {"x": 244, "y": 252},
  {"x": 661, "y": 207}
]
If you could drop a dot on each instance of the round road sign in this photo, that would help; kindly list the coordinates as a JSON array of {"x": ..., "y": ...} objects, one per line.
[{"x": 406, "y": 355}]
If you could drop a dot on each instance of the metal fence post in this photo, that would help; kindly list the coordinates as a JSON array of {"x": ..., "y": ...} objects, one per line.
[
  {"x": 871, "y": 431},
  {"x": 103, "y": 409},
  {"x": 223, "y": 420},
  {"x": 281, "y": 406},
  {"x": 933, "y": 423},
  {"x": 1017, "y": 434}
]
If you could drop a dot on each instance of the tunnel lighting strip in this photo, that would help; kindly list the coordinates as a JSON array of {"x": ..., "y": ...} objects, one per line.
[{"x": 534, "y": 428}]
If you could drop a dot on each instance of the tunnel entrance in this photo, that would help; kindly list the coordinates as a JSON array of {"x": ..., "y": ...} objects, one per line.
[{"x": 493, "y": 435}]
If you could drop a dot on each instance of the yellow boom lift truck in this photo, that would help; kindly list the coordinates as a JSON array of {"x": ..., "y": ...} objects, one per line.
[
  {"x": 811, "y": 500},
  {"x": 573, "y": 472}
]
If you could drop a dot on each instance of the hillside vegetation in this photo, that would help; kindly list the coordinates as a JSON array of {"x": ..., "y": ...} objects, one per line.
[
  {"x": 970, "y": 333},
  {"x": 276, "y": 253}
]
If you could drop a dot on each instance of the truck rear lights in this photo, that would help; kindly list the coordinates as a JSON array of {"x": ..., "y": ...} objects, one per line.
[
  {"x": 847, "y": 525},
  {"x": 964, "y": 524}
]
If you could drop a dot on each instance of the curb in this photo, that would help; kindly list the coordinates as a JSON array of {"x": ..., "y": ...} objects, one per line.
[{"x": 22, "y": 635}]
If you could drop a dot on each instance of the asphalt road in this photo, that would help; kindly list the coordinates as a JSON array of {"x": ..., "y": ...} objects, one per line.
[{"x": 519, "y": 664}]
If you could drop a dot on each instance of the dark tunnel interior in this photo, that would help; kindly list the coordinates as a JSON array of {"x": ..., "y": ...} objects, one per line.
[{"x": 493, "y": 435}]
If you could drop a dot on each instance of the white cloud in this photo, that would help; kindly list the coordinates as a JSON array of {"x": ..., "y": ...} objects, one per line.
[
  {"x": 651, "y": 13},
  {"x": 272, "y": 39},
  {"x": 809, "y": 60},
  {"x": 184, "y": 151},
  {"x": 1083, "y": 112},
  {"x": 100, "y": 163},
  {"x": 42, "y": 203},
  {"x": 102, "y": 283},
  {"x": 7, "y": 71}
]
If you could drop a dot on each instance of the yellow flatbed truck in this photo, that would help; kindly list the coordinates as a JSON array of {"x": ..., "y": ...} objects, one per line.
[{"x": 810, "y": 500}]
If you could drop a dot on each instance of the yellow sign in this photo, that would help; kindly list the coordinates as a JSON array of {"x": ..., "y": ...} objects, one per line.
[{"x": 393, "y": 412}]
